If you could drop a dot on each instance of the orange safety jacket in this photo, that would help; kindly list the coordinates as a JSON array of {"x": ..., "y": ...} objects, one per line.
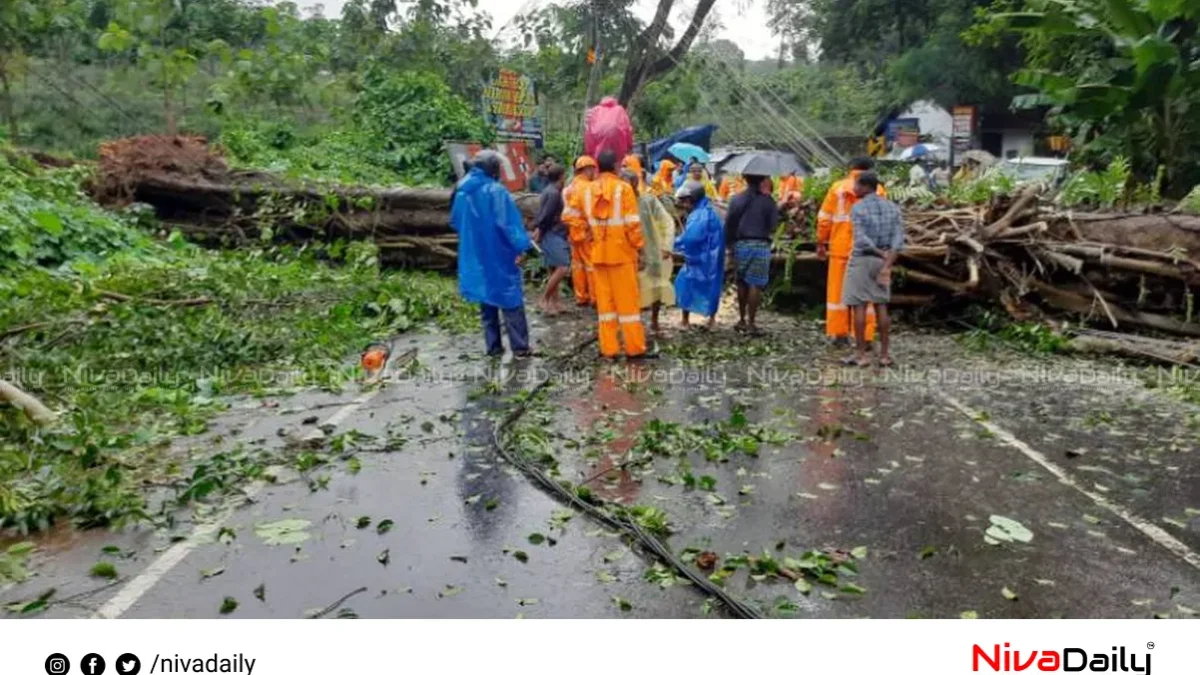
[
  {"x": 790, "y": 184},
  {"x": 730, "y": 186},
  {"x": 611, "y": 209},
  {"x": 834, "y": 228},
  {"x": 572, "y": 216}
]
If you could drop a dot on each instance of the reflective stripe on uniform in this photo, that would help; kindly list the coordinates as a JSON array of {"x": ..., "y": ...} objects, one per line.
[
  {"x": 608, "y": 316},
  {"x": 841, "y": 218},
  {"x": 631, "y": 318},
  {"x": 834, "y": 307},
  {"x": 618, "y": 219}
]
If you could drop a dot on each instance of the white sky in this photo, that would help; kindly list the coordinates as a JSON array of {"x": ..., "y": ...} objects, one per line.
[{"x": 743, "y": 22}]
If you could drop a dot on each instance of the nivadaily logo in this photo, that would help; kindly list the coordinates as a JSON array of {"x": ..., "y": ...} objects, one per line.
[{"x": 1069, "y": 660}]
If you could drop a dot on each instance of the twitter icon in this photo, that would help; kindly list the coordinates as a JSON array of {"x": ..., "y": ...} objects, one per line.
[{"x": 128, "y": 664}]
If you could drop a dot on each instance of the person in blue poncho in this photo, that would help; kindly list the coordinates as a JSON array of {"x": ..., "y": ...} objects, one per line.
[
  {"x": 702, "y": 244},
  {"x": 491, "y": 245}
]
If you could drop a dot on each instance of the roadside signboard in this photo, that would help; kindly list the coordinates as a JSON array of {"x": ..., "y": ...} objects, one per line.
[
  {"x": 963, "y": 131},
  {"x": 510, "y": 106}
]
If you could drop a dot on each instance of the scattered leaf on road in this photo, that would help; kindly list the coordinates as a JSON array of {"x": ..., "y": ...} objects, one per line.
[
  {"x": 384, "y": 556},
  {"x": 208, "y": 574},
  {"x": 622, "y": 604},
  {"x": 228, "y": 605},
  {"x": 260, "y": 592},
  {"x": 1006, "y": 529},
  {"x": 283, "y": 532},
  {"x": 859, "y": 552},
  {"x": 803, "y": 586},
  {"x": 363, "y": 522},
  {"x": 614, "y": 555},
  {"x": 103, "y": 570},
  {"x": 1008, "y": 593},
  {"x": 458, "y": 558},
  {"x": 521, "y": 556},
  {"x": 384, "y": 526},
  {"x": 537, "y": 538},
  {"x": 969, "y": 614},
  {"x": 450, "y": 591}
]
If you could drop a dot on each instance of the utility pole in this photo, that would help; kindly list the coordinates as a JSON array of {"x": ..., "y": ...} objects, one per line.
[{"x": 594, "y": 56}]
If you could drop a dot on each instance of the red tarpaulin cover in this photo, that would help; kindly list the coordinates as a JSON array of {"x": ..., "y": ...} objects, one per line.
[{"x": 607, "y": 127}]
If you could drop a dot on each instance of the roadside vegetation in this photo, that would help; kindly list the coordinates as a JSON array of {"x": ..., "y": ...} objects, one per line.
[{"x": 139, "y": 338}]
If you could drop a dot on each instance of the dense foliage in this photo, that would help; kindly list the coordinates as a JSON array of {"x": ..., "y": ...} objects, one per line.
[
  {"x": 1123, "y": 76},
  {"x": 135, "y": 340}
]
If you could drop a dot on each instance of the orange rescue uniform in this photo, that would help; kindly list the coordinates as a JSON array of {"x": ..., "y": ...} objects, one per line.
[
  {"x": 582, "y": 281},
  {"x": 835, "y": 230},
  {"x": 615, "y": 230},
  {"x": 730, "y": 186},
  {"x": 663, "y": 183},
  {"x": 632, "y": 163},
  {"x": 790, "y": 184}
]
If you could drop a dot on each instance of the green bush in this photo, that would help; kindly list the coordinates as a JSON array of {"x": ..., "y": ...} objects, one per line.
[{"x": 47, "y": 220}]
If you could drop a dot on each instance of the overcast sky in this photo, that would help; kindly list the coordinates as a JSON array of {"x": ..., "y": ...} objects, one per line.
[{"x": 749, "y": 31}]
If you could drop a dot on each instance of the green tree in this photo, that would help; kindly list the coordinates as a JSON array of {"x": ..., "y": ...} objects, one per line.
[
  {"x": 143, "y": 27},
  {"x": 22, "y": 22},
  {"x": 1129, "y": 82}
]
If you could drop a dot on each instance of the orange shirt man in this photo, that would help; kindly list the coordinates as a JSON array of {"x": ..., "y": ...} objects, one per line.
[
  {"x": 615, "y": 234},
  {"x": 835, "y": 239},
  {"x": 577, "y": 230}
]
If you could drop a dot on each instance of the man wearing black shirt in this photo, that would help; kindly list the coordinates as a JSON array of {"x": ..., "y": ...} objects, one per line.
[
  {"x": 551, "y": 234},
  {"x": 749, "y": 226}
]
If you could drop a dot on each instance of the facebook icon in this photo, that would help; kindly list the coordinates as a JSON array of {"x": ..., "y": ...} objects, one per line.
[{"x": 92, "y": 664}]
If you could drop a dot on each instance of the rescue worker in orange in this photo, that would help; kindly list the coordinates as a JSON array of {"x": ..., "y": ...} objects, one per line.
[
  {"x": 615, "y": 238},
  {"x": 577, "y": 231},
  {"x": 663, "y": 183},
  {"x": 789, "y": 184},
  {"x": 731, "y": 184},
  {"x": 835, "y": 241},
  {"x": 633, "y": 164}
]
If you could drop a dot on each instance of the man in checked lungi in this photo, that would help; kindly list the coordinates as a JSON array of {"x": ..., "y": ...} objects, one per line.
[
  {"x": 749, "y": 226},
  {"x": 878, "y": 239}
]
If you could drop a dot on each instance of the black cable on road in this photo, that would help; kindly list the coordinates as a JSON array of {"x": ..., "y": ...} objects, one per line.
[{"x": 564, "y": 493}]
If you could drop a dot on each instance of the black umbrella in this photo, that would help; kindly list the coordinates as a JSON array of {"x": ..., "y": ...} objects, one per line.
[{"x": 764, "y": 163}]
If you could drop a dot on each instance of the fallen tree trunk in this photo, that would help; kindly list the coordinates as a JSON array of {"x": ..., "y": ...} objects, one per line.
[{"x": 1023, "y": 253}]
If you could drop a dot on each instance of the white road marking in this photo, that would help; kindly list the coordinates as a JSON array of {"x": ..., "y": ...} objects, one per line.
[
  {"x": 1154, "y": 532},
  {"x": 131, "y": 592}
]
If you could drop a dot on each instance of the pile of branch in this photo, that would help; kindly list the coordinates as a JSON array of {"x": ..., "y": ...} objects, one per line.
[{"x": 1123, "y": 271}]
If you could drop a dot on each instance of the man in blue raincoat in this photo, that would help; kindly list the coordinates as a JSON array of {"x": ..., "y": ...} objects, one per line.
[
  {"x": 699, "y": 284},
  {"x": 491, "y": 244}
]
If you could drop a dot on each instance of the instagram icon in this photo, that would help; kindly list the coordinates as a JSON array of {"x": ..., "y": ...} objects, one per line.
[{"x": 57, "y": 664}]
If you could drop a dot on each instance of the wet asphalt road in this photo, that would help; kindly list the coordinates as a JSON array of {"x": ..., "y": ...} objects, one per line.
[{"x": 893, "y": 462}]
